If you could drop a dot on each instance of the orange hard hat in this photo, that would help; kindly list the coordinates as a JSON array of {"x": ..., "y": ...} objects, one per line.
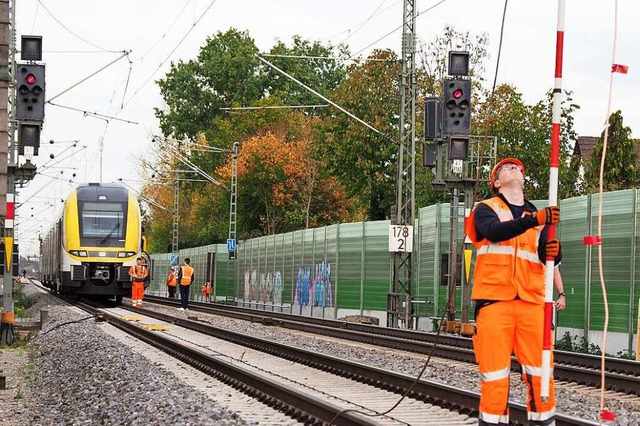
[{"x": 494, "y": 172}]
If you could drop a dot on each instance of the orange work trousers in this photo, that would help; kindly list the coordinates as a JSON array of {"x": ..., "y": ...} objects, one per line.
[
  {"x": 137, "y": 293},
  {"x": 503, "y": 328}
]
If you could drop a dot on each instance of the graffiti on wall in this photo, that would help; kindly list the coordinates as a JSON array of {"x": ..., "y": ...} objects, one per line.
[
  {"x": 263, "y": 287},
  {"x": 315, "y": 290}
]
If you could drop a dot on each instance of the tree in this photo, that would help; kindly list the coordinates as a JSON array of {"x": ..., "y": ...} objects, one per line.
[
  {"x": 363, "y": 160},
  {"x": 621, "y": 161},
  {"x": 524, "y": 132},
  {"x": 310, "y": 63},
  {"x": 436, "y": 53},
  {"x": 224, "y": 75},
  {"x": 282, "y": 187}
]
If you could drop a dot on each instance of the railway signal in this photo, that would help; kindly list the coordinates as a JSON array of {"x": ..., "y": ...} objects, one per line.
[
  {"x": 30, "y": 97},
  {"x": 456, "y": 116},
  {"x": 28, "y": 136}
]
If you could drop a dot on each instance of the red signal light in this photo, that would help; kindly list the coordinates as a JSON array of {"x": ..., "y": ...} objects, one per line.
[
  {"x": 30, "y": 79},
  {"x": 457, "y": 94}
]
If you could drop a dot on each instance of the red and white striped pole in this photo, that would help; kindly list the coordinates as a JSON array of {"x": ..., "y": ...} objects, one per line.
[{"x": 553, "y": 201}]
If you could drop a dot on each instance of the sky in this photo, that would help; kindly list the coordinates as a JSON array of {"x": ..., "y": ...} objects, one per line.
[{"x": 81, "y": 38}]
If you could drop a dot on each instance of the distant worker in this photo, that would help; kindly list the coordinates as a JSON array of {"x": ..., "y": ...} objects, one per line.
[
  {"x": 172, "y": 279},
  {"x": 510, "y": 236},
  {"x": 186, "y": 274},
  {"x": 138, "y": 273},
  {"x": 206, "y": 291}
]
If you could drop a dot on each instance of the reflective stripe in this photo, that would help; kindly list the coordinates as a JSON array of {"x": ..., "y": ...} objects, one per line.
[
  {"x": 494, "y": 418},
  {"x": 496, "y": 249},
  {"x": 533, "y": 371},
  {"x": 527, "y": 255},
  {"x": 542, "y": 415},
  {"x": 492, "y": 376}
]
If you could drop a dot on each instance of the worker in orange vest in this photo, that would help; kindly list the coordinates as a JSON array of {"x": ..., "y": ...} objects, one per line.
[
  {"x": 510, "y": 236},
  {"x": 206, "y": 291},
  {"x": 138, "y": 273},
  {"x": 186, "y": 274},
  {"x": 171, "y": 283}
]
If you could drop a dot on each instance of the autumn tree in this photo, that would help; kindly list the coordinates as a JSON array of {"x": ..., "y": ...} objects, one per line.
[
  {"x": 621, "y": 161},
  {"x": 281, "y": 187}
]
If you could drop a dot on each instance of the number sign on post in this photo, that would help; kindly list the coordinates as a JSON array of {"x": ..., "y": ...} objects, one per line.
[{"x": 400, "y": 238}]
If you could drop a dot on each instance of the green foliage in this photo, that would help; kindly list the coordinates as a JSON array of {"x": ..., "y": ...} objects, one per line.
[
  {"x": 626, "y": 354},
  {"x": 321, "y": 75},
  {"x": 21, "y": 301},
  {"x": 621, "y": 161},
  {"x": 580, "y": 344},
  {"x": 360, "y": 162},
  {"x": 226, "y": 74},
  {"x": 524, "y": 132},
  {"x": 361, "y": 159},
  {"x": 223, "y": 75}
]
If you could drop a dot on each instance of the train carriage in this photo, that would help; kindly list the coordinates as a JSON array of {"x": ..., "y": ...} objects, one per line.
[{"x": 94, "y": 242}]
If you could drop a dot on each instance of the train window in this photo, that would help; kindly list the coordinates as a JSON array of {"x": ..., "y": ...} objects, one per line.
[{"x": 105, "y": 221}]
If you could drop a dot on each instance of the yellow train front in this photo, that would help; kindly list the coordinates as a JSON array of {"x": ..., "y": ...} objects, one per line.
[{"x": 94, "y": 242}]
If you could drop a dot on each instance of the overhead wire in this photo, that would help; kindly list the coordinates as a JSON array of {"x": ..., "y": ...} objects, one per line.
[
  {"x": 393, "y": 31},
  {"x": 366, "y": 21},
  {"x": 71, "y": 32},
  {"x": 164, "y": 34},
  {"x": 35, "y": 16},
  {"x": 169, "y": 55}
]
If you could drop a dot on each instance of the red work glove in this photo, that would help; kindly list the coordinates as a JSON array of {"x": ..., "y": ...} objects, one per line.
[
  {"x": 548, "y": 215},
  {"x": 552, "y": 248}
]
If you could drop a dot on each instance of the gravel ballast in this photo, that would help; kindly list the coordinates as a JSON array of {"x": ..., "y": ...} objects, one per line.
[{"x": 101, "y": 381}]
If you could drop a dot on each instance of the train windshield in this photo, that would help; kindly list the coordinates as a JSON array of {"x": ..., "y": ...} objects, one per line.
[{"x": 103, "y": 224}]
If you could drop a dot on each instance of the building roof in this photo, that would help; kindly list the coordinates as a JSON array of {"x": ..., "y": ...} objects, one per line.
[{"x": 584, "y": 146}]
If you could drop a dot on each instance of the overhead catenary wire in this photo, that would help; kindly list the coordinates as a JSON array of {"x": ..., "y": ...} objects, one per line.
[
  {"x": 71, "y": 32},
  {"x": 393, "y": 31},
  {"x": 123, "y": 54},
  {"x": 366, "y": 21},
  {"x": 93, "y": 114},
  {"x": 324, "y": 98},
  {"x": 169, "y": 55}
]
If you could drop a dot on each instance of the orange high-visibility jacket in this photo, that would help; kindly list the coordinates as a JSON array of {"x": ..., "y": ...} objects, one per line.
[
  {"x": 508, "y": 268},
  {"x": 187, "y": 273},
  {"x": 171, "y": 279},
  {"x": 136, "y": 270}
]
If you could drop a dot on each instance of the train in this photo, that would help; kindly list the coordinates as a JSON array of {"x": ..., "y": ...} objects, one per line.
[{"x": 93, "y": 242}]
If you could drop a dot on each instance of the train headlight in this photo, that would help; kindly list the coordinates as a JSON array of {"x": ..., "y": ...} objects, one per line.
[
  {"x": 126, "y": 253},
  {"x": 80, "y": 253}
]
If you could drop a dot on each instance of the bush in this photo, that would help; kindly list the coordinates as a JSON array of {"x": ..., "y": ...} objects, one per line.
[
  {"x": 574, "y": 344},
  {"x": 21, "y": 301}
]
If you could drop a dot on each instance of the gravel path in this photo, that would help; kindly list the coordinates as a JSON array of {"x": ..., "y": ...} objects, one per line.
[{"x": 98, "y": 382}]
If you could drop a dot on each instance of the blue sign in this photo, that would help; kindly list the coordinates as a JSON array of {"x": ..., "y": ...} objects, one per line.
[
  {"x": 174, "y": 260},
  {"x": 231, "y": 245}
]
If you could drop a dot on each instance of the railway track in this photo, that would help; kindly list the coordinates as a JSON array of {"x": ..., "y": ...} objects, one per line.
[
  {"x": 424, "y": 392},
  {"x": 424, "y": 397},
  {"x": 621, "y": 375}
]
